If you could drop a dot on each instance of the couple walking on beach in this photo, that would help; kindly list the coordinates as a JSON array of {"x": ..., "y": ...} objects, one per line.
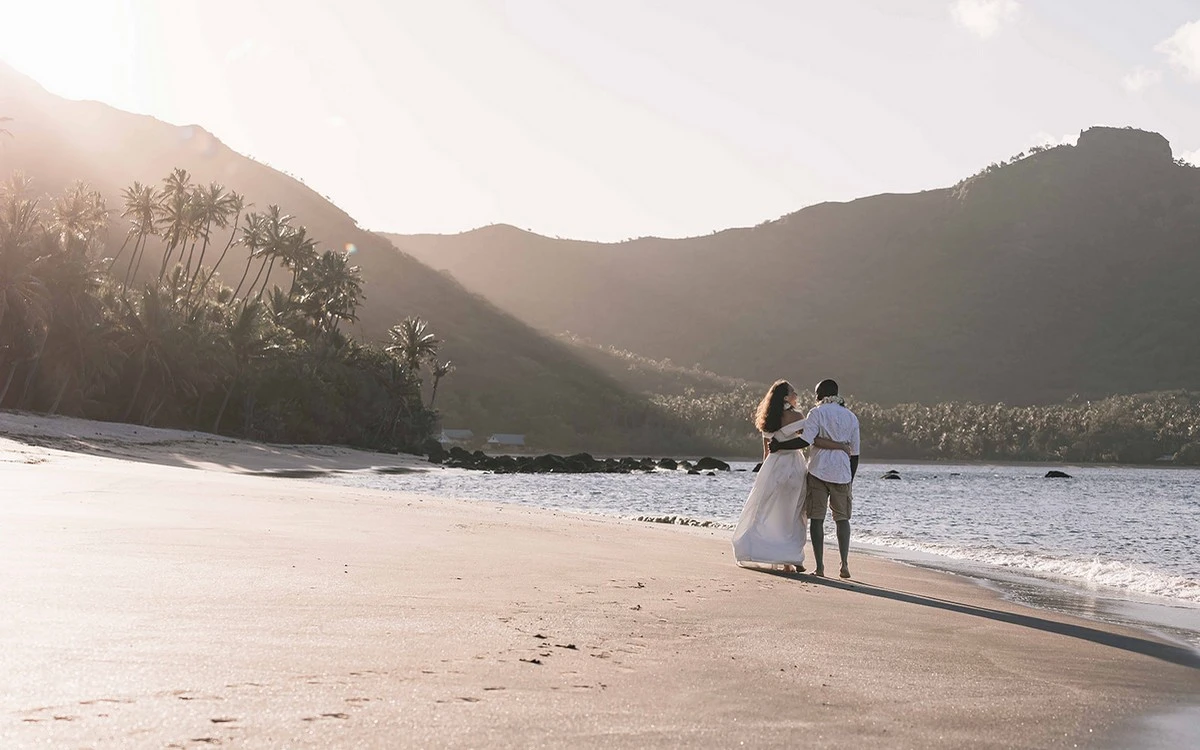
[{"x": 790, "y": 492}]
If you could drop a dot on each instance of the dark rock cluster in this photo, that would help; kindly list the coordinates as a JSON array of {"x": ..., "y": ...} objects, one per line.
[{"x": 579, "y": 463}]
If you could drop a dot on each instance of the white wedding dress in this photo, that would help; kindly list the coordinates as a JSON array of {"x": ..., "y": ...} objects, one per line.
[{"x": 771, "y": 529}]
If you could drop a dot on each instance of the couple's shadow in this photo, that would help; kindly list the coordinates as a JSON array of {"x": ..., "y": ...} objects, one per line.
[{"x": 1165, "y": 651}]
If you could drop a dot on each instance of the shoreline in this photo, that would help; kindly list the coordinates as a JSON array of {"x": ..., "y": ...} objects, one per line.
[
  {"x": 286, "y": 612},
  {"x": 202, "y": 450}
]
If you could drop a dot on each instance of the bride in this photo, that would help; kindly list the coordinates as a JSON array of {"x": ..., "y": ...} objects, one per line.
[{"x": 771, "y": 529}]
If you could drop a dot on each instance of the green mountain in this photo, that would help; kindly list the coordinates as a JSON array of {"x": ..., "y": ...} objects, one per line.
[
  {"x": 1069, "y": 270},
  {"x": 509, "y": 378}
]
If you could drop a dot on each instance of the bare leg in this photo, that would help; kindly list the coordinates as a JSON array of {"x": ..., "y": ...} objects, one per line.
[
  {"x": 843, "y": 537},
  {"x": 816, "y": 531}
]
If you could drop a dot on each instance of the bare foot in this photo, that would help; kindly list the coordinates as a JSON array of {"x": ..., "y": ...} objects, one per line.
[
  {"x": 845, "y": 572},
  {"x": 789, "y": 568},
  {"x": 819, "y": 572},
  {"x": 799, "y": 568}
]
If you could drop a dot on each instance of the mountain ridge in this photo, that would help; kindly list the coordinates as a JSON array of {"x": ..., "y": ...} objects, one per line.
[{"x": 1022, "y": 283}]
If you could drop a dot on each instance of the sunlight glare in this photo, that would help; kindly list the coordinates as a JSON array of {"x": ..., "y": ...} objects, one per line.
[{"x": 80, "y": 49}]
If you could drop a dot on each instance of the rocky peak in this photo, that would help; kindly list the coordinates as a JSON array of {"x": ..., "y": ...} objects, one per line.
[{"x": 1125, "y": 143}]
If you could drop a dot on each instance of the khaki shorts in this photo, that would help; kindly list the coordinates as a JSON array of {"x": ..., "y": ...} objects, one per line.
[{"x": 820, "y": 495}]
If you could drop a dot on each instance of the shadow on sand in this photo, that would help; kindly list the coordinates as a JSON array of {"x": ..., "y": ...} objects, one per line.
[{"x": 1165, "y": 651}]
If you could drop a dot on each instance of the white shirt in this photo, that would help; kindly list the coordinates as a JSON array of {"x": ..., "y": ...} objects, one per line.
[{"x": 833, "y": 422}]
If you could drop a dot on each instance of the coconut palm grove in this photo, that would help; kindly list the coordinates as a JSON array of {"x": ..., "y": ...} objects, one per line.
[{"x": 191, "y": 341}]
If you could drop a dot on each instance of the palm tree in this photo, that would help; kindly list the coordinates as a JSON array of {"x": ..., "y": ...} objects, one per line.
[
  {"x": 78, "y": 220},
  {"x": 236, "y": 204},
  {"x": 25, "y": 306},
  {"x": 176, "y": 216},
  {"x": 275, "y": 237},
  {"x": 440, "y": 370},
  {"x": 299, "y": 252},
  {"x": 142, "y": 204},
  {"x": 252, "y": 238},
  {"x": 214, "y": 206},
  {"x": 412, "y": 343},
  {"x": 330, "y": 290},
  {"x": 156, "y": 339},
  {"x": 79, "y": 217}
]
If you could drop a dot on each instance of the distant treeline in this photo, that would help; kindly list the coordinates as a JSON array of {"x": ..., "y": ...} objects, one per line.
[
  {"x": 172, "y": 345},
  {"x": 1137, "y": 429},
  {"x": 1140, "y": 429}
]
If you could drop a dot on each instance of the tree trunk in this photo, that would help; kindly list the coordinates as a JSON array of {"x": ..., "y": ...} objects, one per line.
[
  {"x": 137, "y": 389},
  {"x": 224, "y": 403},
  {"x": 247, "y": 415},
  {"x": 199, "y": 263},
  {"x": 267, "y": 280},
  {"x": 152, "y": 413},
  {"x": 162, "y": 269},
  {"x": 257, "y": 276},
  {"x": 245, "y": 273},
  {"x": 131, "y": 269},
  {"x": 113, "y": 261},
  {"x": 213, "y": 272},
  {"x": 37, "y": 365},
  {"x": 187, "y": 268},
  {"x": 199, "y": 407},
  {"x": 61, "y": 392},
  {"x": 11, "y": 374}
]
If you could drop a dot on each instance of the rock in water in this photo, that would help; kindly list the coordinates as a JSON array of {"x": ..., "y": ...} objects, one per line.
[
  {"x": 891, "y": 474},
  {"x": 708, "y": 463},
  {"x": 668, "y": 463},
  {"x": 1056, "y": 474}
]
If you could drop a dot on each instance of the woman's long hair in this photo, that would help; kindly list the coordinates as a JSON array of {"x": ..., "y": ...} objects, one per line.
[{"x": 768, "y": 417}]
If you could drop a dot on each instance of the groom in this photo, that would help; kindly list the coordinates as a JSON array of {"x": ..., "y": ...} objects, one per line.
[{"x": 830, "y": 472}]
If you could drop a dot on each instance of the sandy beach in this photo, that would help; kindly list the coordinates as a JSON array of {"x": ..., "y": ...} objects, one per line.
[{"x": 161, "y": 592}]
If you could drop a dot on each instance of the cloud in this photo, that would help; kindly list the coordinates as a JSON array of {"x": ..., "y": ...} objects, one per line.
[
  {"x": 1191, "y": 157},
  {"x": 1140, "y": 79},
  {"x": 984, "y": 18},
  {"x": 1183, "y": 48}
]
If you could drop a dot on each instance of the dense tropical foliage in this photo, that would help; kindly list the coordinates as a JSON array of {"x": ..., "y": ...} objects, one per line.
[
  {"x": 1142, "y": 428},
  {"x": 173, "y": 345}
]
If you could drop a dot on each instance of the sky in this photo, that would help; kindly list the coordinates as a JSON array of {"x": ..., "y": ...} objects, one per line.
[{"x": 612, "y": 119}]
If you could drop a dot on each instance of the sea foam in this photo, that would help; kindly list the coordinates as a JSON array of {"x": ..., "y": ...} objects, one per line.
[{"x": 1092, "y": 572}]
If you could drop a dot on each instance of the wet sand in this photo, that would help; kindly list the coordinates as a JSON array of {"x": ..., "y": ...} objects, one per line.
[{"x": 149, "y": 604}]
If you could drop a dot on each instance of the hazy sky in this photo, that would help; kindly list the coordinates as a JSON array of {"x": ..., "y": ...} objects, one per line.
[{"x": 607, "y": 119}]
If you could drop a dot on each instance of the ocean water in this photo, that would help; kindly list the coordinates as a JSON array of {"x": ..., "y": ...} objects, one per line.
[{"x": 1112, "y": 543}]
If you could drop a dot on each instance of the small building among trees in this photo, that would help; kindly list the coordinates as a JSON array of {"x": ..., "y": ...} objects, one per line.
[
  {"x": 503, "y": 440},
  {"x": 456, "y": 437}
]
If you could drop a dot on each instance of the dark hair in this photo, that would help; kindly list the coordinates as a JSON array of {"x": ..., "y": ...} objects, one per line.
[
  {"x": 827, "y": 388},
  {"x": 768, "y": 417}
]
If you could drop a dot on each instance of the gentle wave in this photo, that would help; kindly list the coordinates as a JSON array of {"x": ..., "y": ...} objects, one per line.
[{"x": 1093, "y": 572}]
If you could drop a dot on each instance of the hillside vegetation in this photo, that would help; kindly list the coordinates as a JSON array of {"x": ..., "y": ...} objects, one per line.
[{"x": 1141, "y": 428}]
